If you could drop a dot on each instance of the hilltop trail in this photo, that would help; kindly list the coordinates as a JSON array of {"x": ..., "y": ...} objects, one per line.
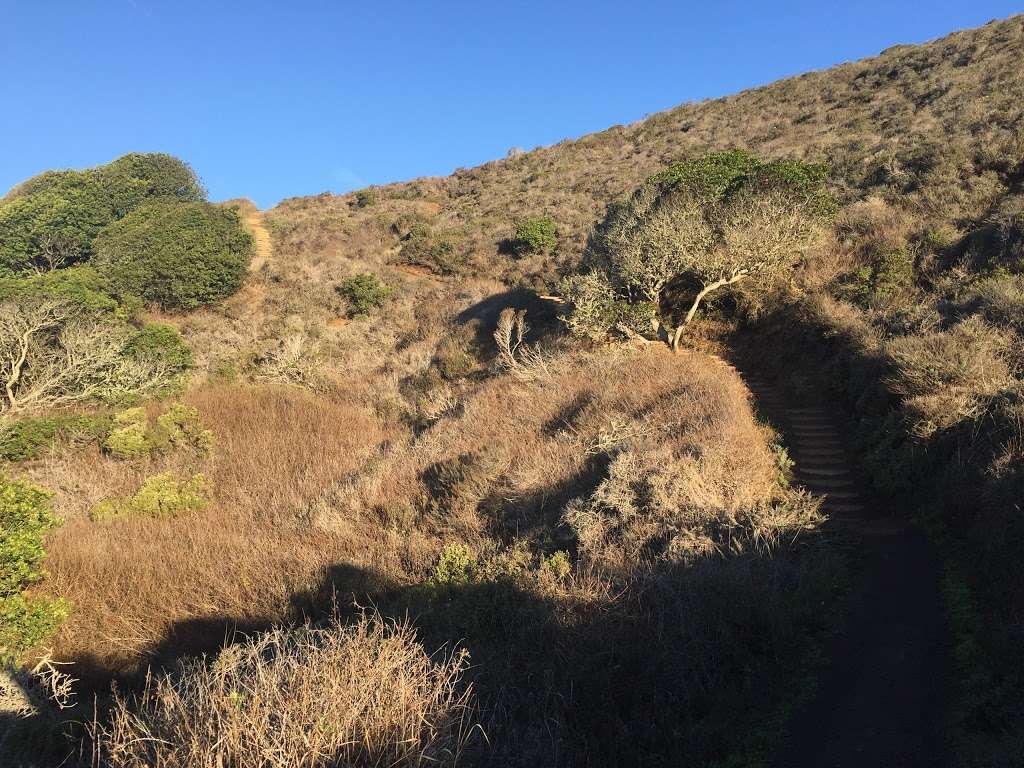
[
  {"x": 880, "y": 699},
  {"x": 264, "y": 250}
]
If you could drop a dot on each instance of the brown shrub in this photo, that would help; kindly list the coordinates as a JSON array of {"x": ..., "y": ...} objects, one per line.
[{"x": 946, "y": 376}]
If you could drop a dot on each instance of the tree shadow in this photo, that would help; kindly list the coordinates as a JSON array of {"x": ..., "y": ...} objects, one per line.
[
  {"x": 676, "y": 661},
  {"x": 541, "y": 315}
]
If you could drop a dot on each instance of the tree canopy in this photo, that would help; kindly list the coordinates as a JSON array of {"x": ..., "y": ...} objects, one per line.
[
  {"x": 177, "y": 255},
  {"x": 711, "y": 222},
  {"x": 51, "y": 220}
]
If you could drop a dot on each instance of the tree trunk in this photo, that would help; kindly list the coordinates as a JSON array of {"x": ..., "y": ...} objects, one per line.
[{"x": 709, "y": 288}]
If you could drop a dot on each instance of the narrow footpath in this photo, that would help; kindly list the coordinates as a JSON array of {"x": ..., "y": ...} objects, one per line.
[{"x": 879, "y": 704}]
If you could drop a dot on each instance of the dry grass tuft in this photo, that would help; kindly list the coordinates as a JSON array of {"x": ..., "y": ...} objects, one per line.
[
  {"x": 948, "y": 376},
  {"x": 359, "y": 695}
]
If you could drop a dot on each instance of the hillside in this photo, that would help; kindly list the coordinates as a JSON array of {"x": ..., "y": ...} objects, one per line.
[
  {"x": 938, "y": 125},
  {"x": 366, "y": 433}
]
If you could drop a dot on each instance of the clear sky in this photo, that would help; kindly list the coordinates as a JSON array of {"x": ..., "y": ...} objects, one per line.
[{"x": 273, "y": 99}]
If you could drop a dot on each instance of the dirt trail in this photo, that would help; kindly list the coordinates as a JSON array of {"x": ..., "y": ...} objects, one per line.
[
  {"x": 880, "y": 700},
  {"x": 264, "y": 250}
]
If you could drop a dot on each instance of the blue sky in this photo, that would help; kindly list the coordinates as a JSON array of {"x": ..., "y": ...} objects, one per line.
[{"x": 274, "y": 99}]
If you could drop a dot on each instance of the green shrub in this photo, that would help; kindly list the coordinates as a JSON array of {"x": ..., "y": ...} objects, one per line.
[
  {"x": 179, "y": 256},
  {"x": 535, "y": 236},
  {"x": 367, "y": 197},
  {"x": 25, "y": 516},
  {"x": 887, "y": 274},
  {"x": 50, "y": 229},
  {"x": 51, "y": 220},
  {"x": 364, "y": 293},
  {"x": 422, "y": 247},
  {"x": 128, "y": 438},
  {"x": 457, "y": 565},
  {"x": 136, "y": 177},
  {"x": 29, "y": 437},
  {"x": 161, "y": 344},
  {"x": 162, "y": 495},
  {"x": 454, "y": 359},
  {"x": 557, "y": 566},
  {"x": 892, "y": 271},
  {"x": 81, "y": 286},
  {"x": 180, "y": 427}
]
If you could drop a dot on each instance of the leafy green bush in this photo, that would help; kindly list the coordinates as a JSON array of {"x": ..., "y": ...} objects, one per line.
[
  {"x": 367, "y": 197},
  {"x": 136, "y": 178},
  {"x": 81, "y": 286},
  {"x": 535, "y": 236},
  {"x": 455, "y": 359},
  {"x": 51, "y": 220},
  {"x": 558, "y": 566},
  {"x": 457, "y": 565},
  {"x": 422, "y": 247},
  {"x": 25, "y": 516},
  {"x": 161, "y": 344},
  {"x": 179, "y": 256},
  {"x": 28, "y": 438},
  {"x": 364, "y": 292},
  {"x": 128, "y": 439},
  {"x": 886, "y": 275},
  {"x": 50, "y": 229},
  {"x": 162, "y": 495},
  {"x": 180, "y": 427}
]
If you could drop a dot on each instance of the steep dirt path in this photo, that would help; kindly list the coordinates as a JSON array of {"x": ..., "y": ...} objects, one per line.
[
  {"x": 880, "y": 701},
  {"x": 253, "y": 221}
]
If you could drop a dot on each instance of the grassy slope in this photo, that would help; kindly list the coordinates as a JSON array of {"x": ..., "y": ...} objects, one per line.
[
  {"x": 937, "y": 125},
  {"x": 927, "y": 145}
]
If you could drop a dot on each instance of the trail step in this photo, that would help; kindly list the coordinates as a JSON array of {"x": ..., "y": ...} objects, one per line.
[
  {"x": 884, "y": 662},
  {"x": 842, "y": 496},
  {"x": 822, "y": 485},
  {"x": 828, "y": 471},
  {"x": 843, "y": 507}
]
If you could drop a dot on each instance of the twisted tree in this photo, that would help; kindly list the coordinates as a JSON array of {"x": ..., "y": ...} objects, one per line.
[
  {"x": 62, "y": 343},
  {"x": 711, "y": 222}
]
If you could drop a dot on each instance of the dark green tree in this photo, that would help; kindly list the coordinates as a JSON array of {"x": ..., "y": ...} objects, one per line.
[
  {"x": 51, "y": 220},
  {"x": 176, "y": 255}
]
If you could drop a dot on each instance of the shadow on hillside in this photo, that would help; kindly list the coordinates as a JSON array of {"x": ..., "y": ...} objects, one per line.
[
  {"x": 945, "y": 480},
  {"x": 541, "y": 315},
  {"x": 678, "y": 660},
  {"x": 342, "y": 584}
]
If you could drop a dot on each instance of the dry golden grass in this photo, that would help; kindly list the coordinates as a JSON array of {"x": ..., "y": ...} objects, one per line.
[
  {"x": 245, "y": 559},
  {"x": 278, "y": 447},
  {"x": 301, "y": 485},
  {"x": 676, "y": 430},
  {"x": 366, "y": 694}
]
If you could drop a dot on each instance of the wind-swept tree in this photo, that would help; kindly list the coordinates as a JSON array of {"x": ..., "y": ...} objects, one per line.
[
  {"x": 710, "y": 223},
  {"x": 62, "y": 342}
]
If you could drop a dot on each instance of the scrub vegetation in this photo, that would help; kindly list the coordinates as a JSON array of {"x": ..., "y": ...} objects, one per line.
[{"x": 424, "y": 486}]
